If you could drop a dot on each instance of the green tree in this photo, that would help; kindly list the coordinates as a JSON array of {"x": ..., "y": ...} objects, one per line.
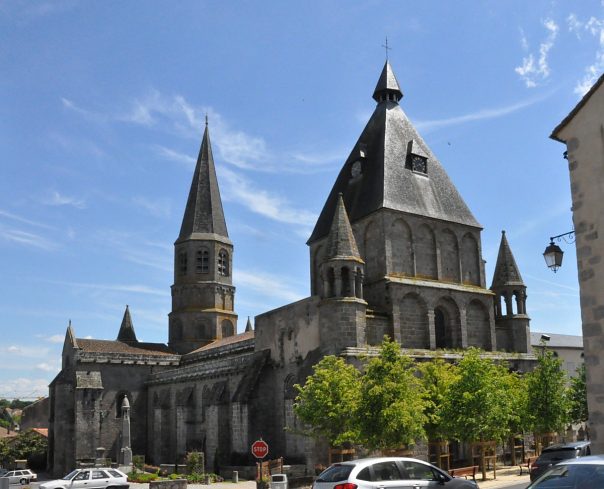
[
  {"x": 578, "y": 396},
  {"x": 28, "y": 445},
  {"x": 478, "y": 407},
  {"x": 328, "y": 399},
  {"x": 391, "y": 407},
  {"x": 548, "y": 404},
  {"x": 437, "y": 376}
]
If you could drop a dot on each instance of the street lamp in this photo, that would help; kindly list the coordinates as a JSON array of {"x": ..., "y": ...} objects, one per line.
[{"x": 553, "y": 253}]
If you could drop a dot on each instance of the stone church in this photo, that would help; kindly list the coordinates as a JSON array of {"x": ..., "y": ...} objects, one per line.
[{"x": 395, "y": 251}]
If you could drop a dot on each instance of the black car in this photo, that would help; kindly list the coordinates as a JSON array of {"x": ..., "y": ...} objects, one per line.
[{"x": 553, "y": 454}]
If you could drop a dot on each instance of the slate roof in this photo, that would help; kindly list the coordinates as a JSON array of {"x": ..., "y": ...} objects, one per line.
[
  {"x": 203, "y": 213},
  {"x": 126, "y": 333},
  {"x": 229, "y": 340},
  {"x": 341, "y": 243},
  {"x": 506, "y": 270},
  {"x": 109, "y": 346},
  {"x": 558, "y": 340},
  {"x": 387, "y": 83},
  {"x": 384, "y": 182}
]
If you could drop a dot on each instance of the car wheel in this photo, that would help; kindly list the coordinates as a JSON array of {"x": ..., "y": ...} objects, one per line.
[{"x": 23, "y": 481}]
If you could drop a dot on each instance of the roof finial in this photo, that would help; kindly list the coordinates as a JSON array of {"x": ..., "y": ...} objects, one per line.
[
  {"x": 387, "y": 48},
  {"x": 206, "y": 119}
]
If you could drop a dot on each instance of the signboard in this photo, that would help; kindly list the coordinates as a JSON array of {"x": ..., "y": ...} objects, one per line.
[{"x": 260, "y": 448}]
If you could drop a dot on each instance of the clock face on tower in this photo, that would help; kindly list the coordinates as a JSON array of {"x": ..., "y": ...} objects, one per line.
[
  {"x": 355, "y": 171},
  {"x": 419, "y": 163}
]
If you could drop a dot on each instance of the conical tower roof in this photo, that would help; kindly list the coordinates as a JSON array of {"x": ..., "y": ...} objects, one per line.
[
  {"x": 506, "y": 270},
  {"x": 375, "y": 175},
  {"x": 204, "y": 214},
  {"x": 127, "y": 334},
  {"x": 387, "y": 83},
  {"x": 341, "y": 243},
  {"x": 248, "y": 326}
]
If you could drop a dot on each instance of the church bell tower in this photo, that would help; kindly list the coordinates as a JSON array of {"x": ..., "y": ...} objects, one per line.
[{"x": 203, "y": 296}]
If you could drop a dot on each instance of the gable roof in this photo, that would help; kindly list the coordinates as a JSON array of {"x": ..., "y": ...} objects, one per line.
[
  {"x": 384, "y": 181},
  {"x": 555, "y": 133},
  {"x": 111, "y": 346}
]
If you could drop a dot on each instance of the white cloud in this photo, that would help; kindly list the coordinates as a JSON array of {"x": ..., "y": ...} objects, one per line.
[
  {"x": 157, "y": 208},
  {"x": 23, "y": 351},
  {"x": 595, "y": 28},
  {"x": 266, "y": 284},
  {"x": 536, "y": 69},
  {"x": 262, "y": 202},
  {"x": 23, "y": 388},
  {"x": 14, "y": 217},
  {"x": 49, "y": 367},
  {"x": 56, "y": 199},
  {"x": 26, "y": 238},
  {"x": 478, "y": 115},
  {"x": 56, "y": 338},
  {"x": 135, "y": 288}
]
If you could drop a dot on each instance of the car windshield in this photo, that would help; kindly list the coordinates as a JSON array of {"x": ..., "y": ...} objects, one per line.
[
  {"x": 557, "y": 455},
  {"x": 571, "y": 476},
  {"x": 70, "y": 476},
  {"x": 335, "y": 473}
]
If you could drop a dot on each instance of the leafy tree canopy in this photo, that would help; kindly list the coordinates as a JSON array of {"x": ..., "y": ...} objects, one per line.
[
  {"x": 478, "y": 407},
  {"x": 328, "y": 400},
  {"x": 392, "y": 404},
  {"x": 578, "y": 396},
  {"x": 548, "y": 404},
  {"x": 437, "y": 376}
]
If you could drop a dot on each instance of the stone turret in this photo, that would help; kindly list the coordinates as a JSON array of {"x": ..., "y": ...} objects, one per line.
[
  {"x": 343, "y": 310},
  {"x": 203, "y": 294},
  {"x": 511, "y": 320}
]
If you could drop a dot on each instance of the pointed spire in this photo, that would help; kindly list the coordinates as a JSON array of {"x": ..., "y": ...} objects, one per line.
[
  {"x": 127, "y": 334},
  {"x": 340, "y": 241},
  {"x": 204, "y": 213},
  {"x": 70, "y": 336},
  {"x": 248, "y": 326},
  {"x": 506, "y": 270},
  {"x": 387, "y": 85}
]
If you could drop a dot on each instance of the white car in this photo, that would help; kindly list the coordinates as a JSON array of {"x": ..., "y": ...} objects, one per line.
[
  {"x": 388, "y": 473},
  {"x": 24, "y": 476},
  {"x": 95, "y": 478}
]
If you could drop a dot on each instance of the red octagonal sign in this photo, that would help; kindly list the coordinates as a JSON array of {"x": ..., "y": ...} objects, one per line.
[{"x": 259, "y": 448}]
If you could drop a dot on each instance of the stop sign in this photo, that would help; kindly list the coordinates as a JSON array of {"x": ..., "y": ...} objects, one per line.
[{"x": 259, "y": 448}]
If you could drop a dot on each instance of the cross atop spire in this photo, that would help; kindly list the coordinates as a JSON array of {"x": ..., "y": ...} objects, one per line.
[
  {"x": 203, "y": 213},
  {"x": 387, "y": 48}
]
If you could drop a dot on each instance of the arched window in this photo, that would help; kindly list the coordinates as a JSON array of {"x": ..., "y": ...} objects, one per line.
[
  {"x": 203, "y": 261},
  {"x": 223, "y": 263}
]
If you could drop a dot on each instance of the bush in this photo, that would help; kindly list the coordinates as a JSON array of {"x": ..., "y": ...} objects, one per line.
[
  {"x": 196, "y": 462},
  {"x": 142, "y": 477},
  {"x": 138, "y": 461}
]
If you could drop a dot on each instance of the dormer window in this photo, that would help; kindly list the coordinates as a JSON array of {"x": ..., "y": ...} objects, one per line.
[{"x": 417, "y": 159}]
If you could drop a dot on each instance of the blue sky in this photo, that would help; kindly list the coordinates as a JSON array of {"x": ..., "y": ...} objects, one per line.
[{"x": 101, "y": 116}]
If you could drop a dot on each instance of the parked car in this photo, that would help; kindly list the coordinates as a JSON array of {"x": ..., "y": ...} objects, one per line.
[
  {"x": 553, "y": 454},
  {"x": 387, "y": 473},
  {"x": 23, "y": 476},
  {"x": 577, "y": 473},
  {"x": 96, "y": 478}
]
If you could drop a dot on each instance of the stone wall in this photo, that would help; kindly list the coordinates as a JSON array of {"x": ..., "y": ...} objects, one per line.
[{"x": 584, "y": 136}]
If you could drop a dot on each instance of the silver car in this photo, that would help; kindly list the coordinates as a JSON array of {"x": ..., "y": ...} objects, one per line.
[
  {"x": 388, "y": 473},
  {"x": 576, "y": 473},
  {"x": 22, "y": 476},
  {"x": 96, "y": 478}
]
